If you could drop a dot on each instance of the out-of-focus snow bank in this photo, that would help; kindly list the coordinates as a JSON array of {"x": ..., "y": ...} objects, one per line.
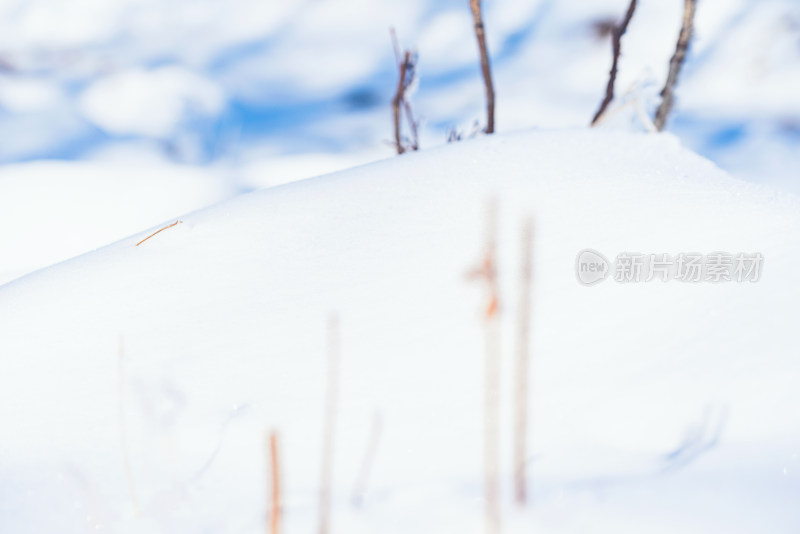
[
  {"x": 298, "y": 76},
  {"x": 659, "y": 407}
]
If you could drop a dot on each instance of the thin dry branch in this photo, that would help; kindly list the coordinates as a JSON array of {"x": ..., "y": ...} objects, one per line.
[
  {"x": 412, "y": 125},
  {"x": 274, "y": 513},
  {"x": 521, "y": 372},
  {"x": 492, "y": 393},
  {"x": 487, "y": 273},
  {"x": 616, "y": 45},
  {"x": 331, "y": 397},
  {"x": 397, "y": 102},
  {"x": 486, "y": 68},
  {"x": 675, "y": 64},
  {"x": 405, "y": 66},
  {"x": 158, "y": 232}
]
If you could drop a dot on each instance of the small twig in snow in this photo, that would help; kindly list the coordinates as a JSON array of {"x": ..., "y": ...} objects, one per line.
[
  {"x": 675, "y": 64},
  {"x": 158, "y": 231},
  {"x": 274, "y": 514},
  {"x": 406, "y": 63},
  {"x": 487, "y": 272},
  {"x": 486, "y": 68},
  {"x": 397, "y": 101},
  {"x": 616, "y": 44}
]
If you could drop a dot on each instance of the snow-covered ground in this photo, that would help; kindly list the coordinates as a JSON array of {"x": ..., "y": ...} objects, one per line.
[
  {"x": 255, "y": 93},
  {"x": 655, "y": 407},
  {"x": 137, "y": 382}
]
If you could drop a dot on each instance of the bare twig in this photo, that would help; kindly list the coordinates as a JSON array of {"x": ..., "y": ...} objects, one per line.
[
  {"x": 486, "y": 69},
  {"x": 487, "y": 272},
  {"x": 274, "y": 513},
  {"x": 492, "y": 408},
  {"x": 158, "y": 231},
  {"x": 521, "y": 372},
  {"x": 406, "y": 68},
  {"x": 616, "y": 45},
  {"x": 635, "y": 102},
  {"x": 360, "y": 487},
  {"x": 397, "y": 101},
  {"x": 330, "y": 426},
  {"x": 675, "y": 63},
  {"x": 454, "y": 134},
  {"x": 412, "y": 125}
]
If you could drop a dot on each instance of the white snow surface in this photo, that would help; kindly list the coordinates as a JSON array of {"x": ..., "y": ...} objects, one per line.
[
  {"x": 253, "y": 94},
  {"x": 655, "y": 407},
  {"x": 54, "y": 210}
]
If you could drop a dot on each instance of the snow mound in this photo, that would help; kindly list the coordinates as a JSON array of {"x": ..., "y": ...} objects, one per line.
[{"x": 139, "y": 381}]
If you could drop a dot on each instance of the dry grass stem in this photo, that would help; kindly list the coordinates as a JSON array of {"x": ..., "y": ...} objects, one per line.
[{"x": 158, "y": 232}]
